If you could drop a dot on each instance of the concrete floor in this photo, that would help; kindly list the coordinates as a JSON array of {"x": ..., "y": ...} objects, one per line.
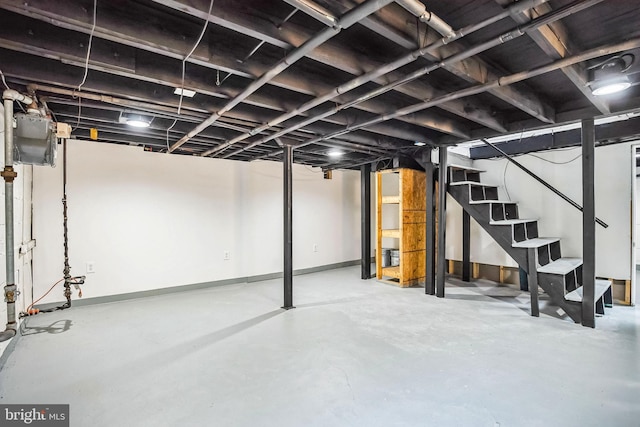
[{"x": 353, "y": 353}]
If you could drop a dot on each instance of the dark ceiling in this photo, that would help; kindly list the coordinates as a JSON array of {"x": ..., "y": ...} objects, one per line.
[{"x": 247, "y": 71}]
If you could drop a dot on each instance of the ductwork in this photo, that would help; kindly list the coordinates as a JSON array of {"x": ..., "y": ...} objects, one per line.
[
  {"x": 350, "y": 18},
  {"x": 418, "y": 9}
]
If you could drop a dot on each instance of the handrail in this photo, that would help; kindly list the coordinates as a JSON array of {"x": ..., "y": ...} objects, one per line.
[{"x": 541, "y": 181}]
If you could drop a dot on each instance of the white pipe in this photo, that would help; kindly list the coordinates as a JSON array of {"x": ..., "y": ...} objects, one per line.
[
  {"x": 14, "y": 95},
  {"x": 418, "y": 9}
]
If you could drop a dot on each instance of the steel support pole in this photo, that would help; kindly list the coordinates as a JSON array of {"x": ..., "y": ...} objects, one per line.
[
  {"x": 288, "y": 226},
  {"x": 442, "y": 226},
  {"x": 588, "y": 223},
  {"x": 365, "y": 220},
  {"x": 430, "y": 229},
  {"x": 533, "y": 281},
  {"x": 466, "y": 246}
]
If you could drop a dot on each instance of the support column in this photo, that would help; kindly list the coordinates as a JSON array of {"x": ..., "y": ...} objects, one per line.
[
  {"x": 365, "y": 221},
  {"x": 442, "y": 226},
  {"x": 288, "y": 225},
  {"x": 430, "y": 229},
  {"x": 466, "y": 246},
  {"x": 533, "y": 281},
  {"x": 588, "y": 223}
]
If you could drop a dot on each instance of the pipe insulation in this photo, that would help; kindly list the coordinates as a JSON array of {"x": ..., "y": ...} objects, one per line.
[
  {"x": 361, "y": 80},
  {"x": 350, "y": 18}
]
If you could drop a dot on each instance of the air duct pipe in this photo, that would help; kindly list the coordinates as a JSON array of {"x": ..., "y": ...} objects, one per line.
[
  {"x": 356, "y": 14},
  {"x": 418, "y": 9},
  {"x": 9, "y": 175},
  {"x": 354, "y": 83}
]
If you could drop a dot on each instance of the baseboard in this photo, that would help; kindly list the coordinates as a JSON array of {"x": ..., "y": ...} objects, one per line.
[{"x": 195, "y": 286}]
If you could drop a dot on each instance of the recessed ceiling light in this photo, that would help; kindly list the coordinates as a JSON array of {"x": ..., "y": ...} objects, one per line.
[
  {"x": 335, "y": 153},
  {"x": 135, "y": 119},
  {"x": 419, "y": 143},
  {"x": 184, "y": 92},
  {"x": 607, "y": 87}
]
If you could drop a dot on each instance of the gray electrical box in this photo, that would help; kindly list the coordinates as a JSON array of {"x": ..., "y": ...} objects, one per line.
[{"x": 34, "y": 140}]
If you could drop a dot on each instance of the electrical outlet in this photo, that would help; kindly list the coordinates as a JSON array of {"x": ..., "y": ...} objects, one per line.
[
  {"x": 315, "y": 247},
  {"x": 227, "y": 255},
  {"x": 91, "y": 267}
]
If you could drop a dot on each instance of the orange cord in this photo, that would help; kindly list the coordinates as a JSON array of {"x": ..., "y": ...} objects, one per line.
[{"x": 50, "y": 289}]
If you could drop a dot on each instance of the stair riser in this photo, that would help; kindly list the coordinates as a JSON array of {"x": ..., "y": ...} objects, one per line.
[
  {"x": 502, "y": 211},
  {"x": 459, "y": 175},
  {"x": 548, "y": 253},
  {"x": 554, "y": 286},
  {"x": 478, "y": 193}
]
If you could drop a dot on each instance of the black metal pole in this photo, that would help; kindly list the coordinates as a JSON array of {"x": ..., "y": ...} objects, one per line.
[
  {"x": 533, "y": 281},
  {"x": 430, "y": 228},
  {"x": 542, "y": 181},
  {"x": 288, "y": 226},
  {"x": 365, "y": 220},
  {"x": 442, "y": 226},
  {"x": 466, "y": 246},
  {"x": 588, "y": 224}
]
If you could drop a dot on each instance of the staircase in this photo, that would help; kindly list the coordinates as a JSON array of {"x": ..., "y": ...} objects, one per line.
[{"x": 560, "y": 278}]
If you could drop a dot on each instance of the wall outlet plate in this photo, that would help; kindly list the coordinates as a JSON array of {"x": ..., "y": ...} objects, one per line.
[{"x": 91, "y": 267}]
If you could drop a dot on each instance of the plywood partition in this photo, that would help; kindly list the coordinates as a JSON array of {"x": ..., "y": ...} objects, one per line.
[{"x": 404, "y": 189}]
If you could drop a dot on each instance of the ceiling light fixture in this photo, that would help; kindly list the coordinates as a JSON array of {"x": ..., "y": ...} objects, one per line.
[
  {"x": 608, "y": 76},
  {"x": 335, "y": 153},
  {"x": 419, "y": 144},
  {"x": 184, "y": 92},
  {"x": 135, "y": 119}
]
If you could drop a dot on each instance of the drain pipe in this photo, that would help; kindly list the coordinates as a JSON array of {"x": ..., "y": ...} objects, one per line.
[
  {"x": 354, "y": 83},
  {"x": 418, "y": 9},
  {"x": 9, "y": 175},
  {"x": 350, "y": 18}
]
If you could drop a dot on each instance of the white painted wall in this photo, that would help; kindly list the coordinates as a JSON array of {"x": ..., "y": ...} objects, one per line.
[
  {"x": 151, "y": 220},
  {"x": 557, "y": 218},
  {"x": 22, "y": 230}
]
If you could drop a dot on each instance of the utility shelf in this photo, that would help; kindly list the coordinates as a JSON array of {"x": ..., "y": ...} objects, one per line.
[{"x": 404, "y": 205}]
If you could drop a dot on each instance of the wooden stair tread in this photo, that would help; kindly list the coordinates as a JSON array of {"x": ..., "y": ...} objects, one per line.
[
  {"x": 561, "y": 266},
  {"x": 601, "y": 288},
  {"x": 536, "y": 243},
  {"x": 511, "y": 221}
]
